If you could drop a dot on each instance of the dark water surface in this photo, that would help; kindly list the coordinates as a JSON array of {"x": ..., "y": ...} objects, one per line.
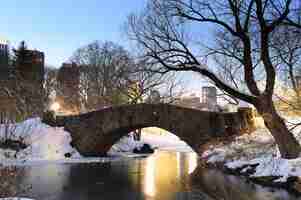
[{"x": 162, "y": 176}]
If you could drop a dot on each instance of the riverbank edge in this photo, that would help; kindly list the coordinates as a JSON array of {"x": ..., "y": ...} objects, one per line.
[{"x": 292, "y": 184}]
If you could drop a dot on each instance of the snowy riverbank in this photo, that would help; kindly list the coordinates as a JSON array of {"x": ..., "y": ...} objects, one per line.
[{"x": 256, "y": 156}]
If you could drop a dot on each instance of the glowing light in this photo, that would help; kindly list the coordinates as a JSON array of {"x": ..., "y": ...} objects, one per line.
[
  {"x": 55, "y": 106},
  {"x": 179, "y": 167},
  {"x": 149, "y": 179},
  {"x": 193, "y": 161}
]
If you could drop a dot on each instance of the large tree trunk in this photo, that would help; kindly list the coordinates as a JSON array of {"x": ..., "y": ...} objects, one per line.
[{"x": 288, "y": 145}]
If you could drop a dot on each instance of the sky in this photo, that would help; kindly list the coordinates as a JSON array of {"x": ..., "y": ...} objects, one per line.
[{"x": 59, "y": 27}]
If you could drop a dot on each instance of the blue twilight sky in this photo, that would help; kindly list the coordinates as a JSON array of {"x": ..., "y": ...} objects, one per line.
[{"x": 59, "y": 27}]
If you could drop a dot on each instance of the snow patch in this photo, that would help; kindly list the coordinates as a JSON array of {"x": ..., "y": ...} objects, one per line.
[
  {"x": 167, "y": 142},
  {"x": 259, "y": 149},
  {"x": 44, "y": 142}
]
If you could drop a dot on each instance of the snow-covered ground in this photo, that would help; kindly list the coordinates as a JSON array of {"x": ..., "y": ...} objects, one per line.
[
  {"x": 256, "y": 148},
  {"x": 44, "y": 142},
  {"x": 168, "y": 142},
  {"x": 51, "y": 144}
]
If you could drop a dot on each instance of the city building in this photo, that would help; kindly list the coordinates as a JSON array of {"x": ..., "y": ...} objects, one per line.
[
  {"x": 4, "y": 58},
  {"x": 207, "y": 101},
  {"x": 31, "y": 66},
  {"x": 23, "y": 83},
  {"x": 30, "y": 70},
  {"x": 209, "y": 97}
]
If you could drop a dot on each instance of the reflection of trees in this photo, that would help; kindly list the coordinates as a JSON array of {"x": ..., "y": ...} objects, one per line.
[
  {"x": 88, "y": 174},
  {"x": 46, "y": 181},
  {"x": 9, "y": 182},
  {"x": 216, "y": 185},
  {"x": 115, "y": 180}
]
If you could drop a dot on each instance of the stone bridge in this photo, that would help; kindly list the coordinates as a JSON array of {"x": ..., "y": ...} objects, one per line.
[{"x": 94, "y": 133}]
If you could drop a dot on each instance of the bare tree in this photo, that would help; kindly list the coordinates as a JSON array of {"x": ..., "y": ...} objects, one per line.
[
  {"x": 105, "y": 69},
  {"x": 143, "y": 83},
  {"x": 162, "y": 31},
  {"x": 230, "y": 72},
  {"x": 110, "y": 75}
]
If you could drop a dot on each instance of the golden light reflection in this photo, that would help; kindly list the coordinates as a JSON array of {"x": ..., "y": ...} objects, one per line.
[
  {"x": 178, "y": 157},
  {"x": 163, "y": 171},
  {"x": 193, "y": 162},
  {"x": 149, "y": 178}
]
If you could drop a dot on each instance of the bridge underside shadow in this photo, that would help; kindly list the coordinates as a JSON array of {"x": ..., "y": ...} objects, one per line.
[{"x": 94, "y": 133}]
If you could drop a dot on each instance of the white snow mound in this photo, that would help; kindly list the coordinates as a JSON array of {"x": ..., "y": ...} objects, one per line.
[{"x": 44, "y": 142}]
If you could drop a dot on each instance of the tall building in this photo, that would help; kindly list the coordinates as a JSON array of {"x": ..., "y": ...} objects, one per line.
[
  {"x": 209, "y": 97},
  {"x": 24, "y": 81},
  {"x": 4, "y": 49},
  {"x": 31, "y": 67}
]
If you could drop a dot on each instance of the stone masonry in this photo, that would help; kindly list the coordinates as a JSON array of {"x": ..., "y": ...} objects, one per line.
[{"x": 94, "y": 133}]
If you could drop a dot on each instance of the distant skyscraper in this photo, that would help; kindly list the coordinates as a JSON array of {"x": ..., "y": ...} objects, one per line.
[
  {"x": 31, "y": 66},
  {"x": 29, "y": 71},
  {"x": 209, "y": 96},
  {"x": 3, "y": 53}
]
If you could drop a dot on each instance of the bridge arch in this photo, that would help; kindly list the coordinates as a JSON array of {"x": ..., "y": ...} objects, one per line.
[{"x": 94, "y": 133}]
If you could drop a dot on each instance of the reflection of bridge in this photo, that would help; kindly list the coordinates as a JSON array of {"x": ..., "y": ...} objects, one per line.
[{"x": 94, "y": 133}]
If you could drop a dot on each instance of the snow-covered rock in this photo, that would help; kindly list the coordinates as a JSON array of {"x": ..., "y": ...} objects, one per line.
[{"x": 44, "y": 142}]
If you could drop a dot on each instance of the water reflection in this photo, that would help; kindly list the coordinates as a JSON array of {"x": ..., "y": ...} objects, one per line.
[
  {"x": 219, "y": 186},
  {"x": 165, "y": 174},
  {"x": 52, "y": 177},
  {"x": 192, "y": 162},
  {"x": 162, "y": 176},
  {"x": 149, "y": 179}
]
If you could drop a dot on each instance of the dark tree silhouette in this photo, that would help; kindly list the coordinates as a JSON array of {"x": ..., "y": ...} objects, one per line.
[{"x": 162, "y": 33}]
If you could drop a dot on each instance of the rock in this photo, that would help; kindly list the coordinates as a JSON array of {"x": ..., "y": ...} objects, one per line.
[
  {"x": 14, "y": 145},
  {"x": 146, "y": 148},
  {"x": 68, "y": 155},
  {"x": 267, "y": 181},
  {"x": 49, "y": 118},
  {"x": 245, "y": 170},
  {"x": 297, "y": 185}
]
